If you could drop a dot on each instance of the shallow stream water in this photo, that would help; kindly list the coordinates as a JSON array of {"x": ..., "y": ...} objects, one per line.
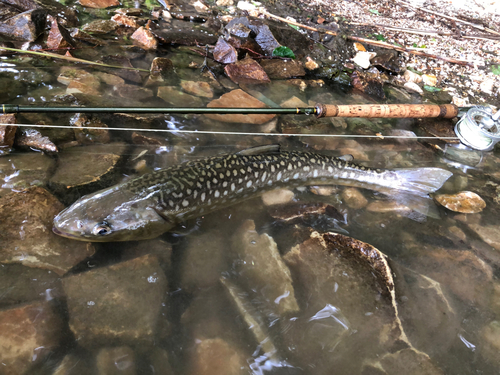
[{"x": 193, "y": 303}]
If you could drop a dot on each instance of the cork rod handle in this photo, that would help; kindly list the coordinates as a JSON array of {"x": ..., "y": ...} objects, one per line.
[{"x": 387, "y": 110}]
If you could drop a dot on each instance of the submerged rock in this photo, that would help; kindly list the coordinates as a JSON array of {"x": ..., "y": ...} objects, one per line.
[
  {"x": 20, "y": 171},
  {"x": 263, "y": 270},
  {"x": 71, "y": 365},
  {"x": 354, "y": 198},
  {"x": 217, "y": 357},
  {"x": 239, "y": 99},
  {"x": 99, "y": 3},
  {"x": 246, "y": 71},
  {"x": 20, "y": 284},
  {"x": 490, "y": 335},
  {"x": 277, "y": 196},
  {"x": 29, "y": 334},
  {"x": 224, "y": 52},
  {"x": 199, "y": 88},
  {"x": 347, "y": 285},
  {"x": 369, "y": 83},
  {"x": 32, "y": 138},
  {"x": 99, "y": 163},
  {"x": 177, "y": 98},
  {"x": 465, "y": 202},
  {"x": 59, "y": 37},
  {"x": 100, "y": 27},
  {"x": 26, "y": 233},
  {"x": 407, "y": 361},
  {"x": 116, "y": 305},
  {"x": 488, "y": 233},
  {"x": 7, "y": 133},
  {"x": 118, "y": 360},
  {"x": 87, "y": 136}
]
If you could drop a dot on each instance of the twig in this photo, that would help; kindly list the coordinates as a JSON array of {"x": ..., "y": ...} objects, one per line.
[
  {"x": 424, "y": 32},
  {"x": 451, "y": 18},
  {"x": 375, "y": 43}
]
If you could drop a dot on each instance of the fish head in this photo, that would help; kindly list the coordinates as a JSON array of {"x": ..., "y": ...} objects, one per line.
[{"x": 110, "y": 215}]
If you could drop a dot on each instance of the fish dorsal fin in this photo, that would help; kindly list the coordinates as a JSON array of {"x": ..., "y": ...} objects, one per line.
[
  {"x": 259, "y": 150},
  {"x": 347, "y": 157}
]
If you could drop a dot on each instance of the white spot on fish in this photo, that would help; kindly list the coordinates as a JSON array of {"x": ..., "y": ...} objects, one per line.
[
  {"x": 290, "y": 167},
  {"x": 203, "y": 197},
  {"x": 224, "y": 184},
  {"x": 188, "y": 191},
  {"x": 225, "y": 192},
  {"x": 215, "y": 181},
  {"x": 306, "y": 168},
  {"x": 295, "y": 176},
  {"x": 195, "y": 194},
  {"x": 315, "y": 173},
  {"x": 217, "y": 194},
  {"x": 185, "y": 203},
  {"x": 171, "y": 203},
  {"x": 233, "y": 186},
  {"x": 330, "y": 169},
  {"x": 249, "y": 183},
  {"x": 264, "y": 175},
  {"x": 278, "y": 177}
]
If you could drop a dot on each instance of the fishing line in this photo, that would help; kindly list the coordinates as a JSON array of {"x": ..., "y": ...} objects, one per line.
[{"x": 182, "y": 131}]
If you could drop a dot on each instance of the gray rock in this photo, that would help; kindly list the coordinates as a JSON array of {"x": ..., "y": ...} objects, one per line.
[
  {"x": 406, "y": 361},
  {"x": 29, "y": 334},
  {"x": 20, "y": 171},
  {"x": 99, "y": 163},
  {"x": 157, "y": 247},
  {"x": 262, "y": 269},
  {"x": 204, "y": 260},
  {"x": 116, "y": 305},
  {"x": 116, "y": 361},
  {"x": 20, "y": 284},
  {"x": 26, "y": 233},
  {"x": 26, "y": 26}
]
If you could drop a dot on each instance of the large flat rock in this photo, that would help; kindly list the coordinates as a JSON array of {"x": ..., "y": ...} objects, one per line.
[
  {"x": 117, "y": 305},
  {"x": 26, "y": 233}
]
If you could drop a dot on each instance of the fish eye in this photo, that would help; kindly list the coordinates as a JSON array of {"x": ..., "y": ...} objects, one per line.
[{"x": 101, "y": 229}]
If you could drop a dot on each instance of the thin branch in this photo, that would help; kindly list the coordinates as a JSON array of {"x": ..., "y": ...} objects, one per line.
[
  {"x": 451, "y": 18},
  {"x": 375, "y": 43}
]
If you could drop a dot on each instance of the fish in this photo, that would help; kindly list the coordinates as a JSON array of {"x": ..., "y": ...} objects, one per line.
[{"x": 149, "y": 205}]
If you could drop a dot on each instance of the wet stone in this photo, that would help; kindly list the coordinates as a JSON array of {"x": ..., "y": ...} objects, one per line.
[
  {"x": 246, "y": 71},
  {"x": 293, "y": 102},
  {"x": 283, "y": 69},
  {"x": 35, "y": 140},
  {"x": 118, "y": 304},
  {"x": 20, "y": 284},
  {"x": 110, "y": 79},
  {"x": 368, "y": 83},
  {"x": 20, "y": 171},
  {"x": 277, "y": 196},
  {"x": 161, "y": 65},
  {"x": 490, "y": 335},
  {"x": 26, "y": 233},
  {"x": 79, "y": 81},
  {"x": 204, "y": 259},
  {"x": 29, "y": 334},
  {"x": 388, "y": 60},
  {"x": 26, "y": 26},
  {"x": 177, "y": 98},
  {"x": 59, "y": 37},
  {"x": 466, "y": 202},
  {"x": 7, "y": 133},
  {"x": 125, "y": 20},
  {"x": 116, "y": 361},
  {"x": 145, "y": 39},
  {"x": 488, "y": 233},
  {"x": 99, "y": 3},
  {"x": 133, "y": 92},
  {"x": 354, "y": 198},
  {"x": 78, "y": 34},
  {"x": 100, "y": 27},
  {"x": 217, "y": 357},
  {"x": 159, "y": 362},
  {"x": 239, "y": 99},
  {"x": 71, "y": 365},
  {"x": 157, "y": 247},
  {"x": 406, "y": 361},
  {"x": 98, "y": 162},
  {"x": 199, "y": 88},
  {"x": 224, "y": 52},
  {"x": 88, "y": 136},
  {"x": 262, "y": 269}
]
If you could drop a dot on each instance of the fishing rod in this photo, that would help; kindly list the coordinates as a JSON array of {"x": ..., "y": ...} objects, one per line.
[{"x": 320, "y": 110}]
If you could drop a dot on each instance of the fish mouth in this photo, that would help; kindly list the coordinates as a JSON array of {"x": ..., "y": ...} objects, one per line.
[{"x": 63, "y": 234}]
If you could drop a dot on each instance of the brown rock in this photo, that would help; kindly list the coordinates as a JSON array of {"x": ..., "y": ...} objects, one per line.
[
  {"x": 116, "y": 305},
  {"x": 99, "y": 3},
  {"x": 26, "y": 26},
  {"x": 246, "y": 71},
  {"x": 177, "y": 98},
  {"x": 7, "y": 132},
  {"x": 161, "y": 65},
  {"x": 465, "y": 202},
  {"x": 283, "y": 69},
  {"x": 124, "y": 20},
  {"x": 59, "y": 37},
  {"x": 145, "y": 39},
  {"x": 217, "y": 357},
  {"x": 29, "y": 334},
  {"x": 110, "y": 79},
  {"x": 133, "y": 92},
  {"x": 368, "y": 83},
  {"x": 353, "y": 198},
  {"x": 26, "y": 233},
  {"x": 78, "y": 34},
  {"x": 277, "y": 196},
  {"x": 87, "y": 136},
  {"x": 72, "y": 365},
  {"x": 488, "y": 233},
  {"x": 293, "y": 102},
  {"x": 198, "y": 88},
  {"x": 100, "y": 27},
  {"x": 407, "y": 361},
  {"x": 118, "y": 360},
  {"x": 34, "y": 139},
  {"x": 224, "y": 52},
  {"x": 239, "y": 99},
  {"x": 262, "y": 269}
]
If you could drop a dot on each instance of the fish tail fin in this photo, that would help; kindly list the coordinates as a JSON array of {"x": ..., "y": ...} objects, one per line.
[{"x": 422, "y": 181}]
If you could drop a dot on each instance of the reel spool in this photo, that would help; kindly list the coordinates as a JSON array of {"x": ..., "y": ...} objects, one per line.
[{"x": 479, "y": 129}]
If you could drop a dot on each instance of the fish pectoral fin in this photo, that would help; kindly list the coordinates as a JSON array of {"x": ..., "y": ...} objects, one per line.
[
  {"x": 347, "y": 157},
  {"x": 163, "y": 215},
  {"x": 259, "y": 150}
]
